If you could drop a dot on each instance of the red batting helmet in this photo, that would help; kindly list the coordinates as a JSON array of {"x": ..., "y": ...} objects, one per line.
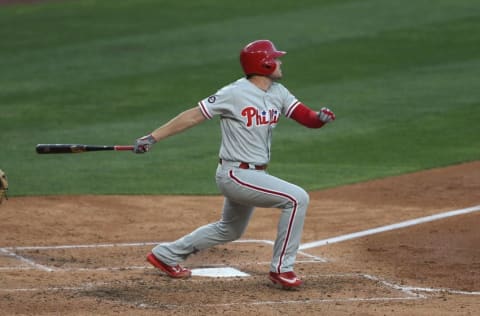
[{"x": 258, "y": 58}]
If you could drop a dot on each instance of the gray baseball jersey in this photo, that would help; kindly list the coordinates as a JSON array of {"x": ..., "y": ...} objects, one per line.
[{"x": 248, "y": 116}]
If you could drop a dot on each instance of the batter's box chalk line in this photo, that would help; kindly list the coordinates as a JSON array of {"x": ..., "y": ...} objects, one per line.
[
  {"x": 377, "y": 230},
  {"x": 91, "y": 285},
  {"x": 10, "y": 251},
  {"x": 26, "y": 260}
]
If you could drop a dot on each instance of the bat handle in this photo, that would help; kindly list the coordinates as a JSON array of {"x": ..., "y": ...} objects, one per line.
[{"x": 123, "y": 147}]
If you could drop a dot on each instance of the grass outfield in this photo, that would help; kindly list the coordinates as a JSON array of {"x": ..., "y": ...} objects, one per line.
[{"x": 401, "y": 76}]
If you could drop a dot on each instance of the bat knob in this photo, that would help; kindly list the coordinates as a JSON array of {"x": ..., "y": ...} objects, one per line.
[{"x": 41, "y": 148}]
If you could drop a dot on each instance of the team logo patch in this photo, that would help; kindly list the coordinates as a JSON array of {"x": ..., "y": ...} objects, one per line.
[{"x": 212, "y": 99}]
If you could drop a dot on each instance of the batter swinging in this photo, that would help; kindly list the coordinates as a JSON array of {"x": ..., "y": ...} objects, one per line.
[{"x": 249, "y": 110}]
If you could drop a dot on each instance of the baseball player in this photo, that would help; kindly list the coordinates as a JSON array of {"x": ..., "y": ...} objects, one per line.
[{"x": 249, "y": 110}]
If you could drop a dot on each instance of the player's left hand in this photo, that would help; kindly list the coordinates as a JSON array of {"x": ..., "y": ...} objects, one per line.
[
  {"x": 326, "y": 115},
  {"x": 143, "y": 144}
]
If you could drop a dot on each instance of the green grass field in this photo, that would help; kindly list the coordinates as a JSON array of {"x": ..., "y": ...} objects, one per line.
[{"x": 403, "y": 78}]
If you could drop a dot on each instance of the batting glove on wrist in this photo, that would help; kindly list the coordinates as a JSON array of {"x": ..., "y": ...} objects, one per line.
[
  {"x": 143, "y": 144},
  {"x": 326, "y": 115}
]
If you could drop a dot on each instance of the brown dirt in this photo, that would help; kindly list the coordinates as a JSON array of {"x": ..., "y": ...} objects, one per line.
[{"x": 426, "y": 269}]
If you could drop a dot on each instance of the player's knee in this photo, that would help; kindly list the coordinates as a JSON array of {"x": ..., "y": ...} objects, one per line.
[
  {"x": 302, "y": 199},
  {"x": 235, "y": 234},
  {"x": 230, "y": 232}
]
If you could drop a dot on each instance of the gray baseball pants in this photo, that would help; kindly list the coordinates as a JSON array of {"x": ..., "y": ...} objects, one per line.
[{"x": 245, "y": 189}]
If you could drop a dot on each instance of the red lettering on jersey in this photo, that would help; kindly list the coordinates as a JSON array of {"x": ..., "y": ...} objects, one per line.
[
  {"x": 274, "y": 116},
  {"x": 250, "y": 113},
  {"x": 253, "y": 116}
]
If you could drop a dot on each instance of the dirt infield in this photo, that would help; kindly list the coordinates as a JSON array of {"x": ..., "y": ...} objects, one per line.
[{"x": 85, "y": 255}]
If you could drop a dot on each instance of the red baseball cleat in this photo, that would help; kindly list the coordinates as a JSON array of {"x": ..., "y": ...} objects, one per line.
[
  {"x": 286, "y": 279},
  {"x": 176, "y": 272}
]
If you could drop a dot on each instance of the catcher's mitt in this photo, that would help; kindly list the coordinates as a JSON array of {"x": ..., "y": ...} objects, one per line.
[{"x": 3, "y": 185}]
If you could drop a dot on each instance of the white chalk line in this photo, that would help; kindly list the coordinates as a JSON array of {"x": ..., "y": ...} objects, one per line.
[
  {"x": 26, "y": 260},
  {"x": 16, "y": 268},
  {"x": 399, "y": 225},
  {"x": 111, "y": 245},
  {"x": 282, "y": 302},
  {"x": 304, "y": 246},
  {"x": 142, "y": 244},
  {"x": 410, "y": 291},
  {"x": 90, "y": 286},
  {"x": 87, "y": 286},
  {"x": 148, "y": 267}
]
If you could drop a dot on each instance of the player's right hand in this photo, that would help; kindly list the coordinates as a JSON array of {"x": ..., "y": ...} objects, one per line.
[
  {"x": 326, "y": 115},
  {"x": 143, "y": 144}
]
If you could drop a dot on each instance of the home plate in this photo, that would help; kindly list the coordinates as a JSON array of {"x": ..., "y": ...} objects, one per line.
[{"x": 226, "y": 272}]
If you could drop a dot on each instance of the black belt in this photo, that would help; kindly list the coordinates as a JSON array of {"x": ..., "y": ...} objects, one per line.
[{"x": 244, "y": 165}]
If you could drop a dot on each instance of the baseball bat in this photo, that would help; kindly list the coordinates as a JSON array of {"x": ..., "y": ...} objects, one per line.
[{"x": 76, "y": 148}]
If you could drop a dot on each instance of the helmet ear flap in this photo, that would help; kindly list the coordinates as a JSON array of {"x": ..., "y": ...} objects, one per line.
[{"x": 270, "y": 65}]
